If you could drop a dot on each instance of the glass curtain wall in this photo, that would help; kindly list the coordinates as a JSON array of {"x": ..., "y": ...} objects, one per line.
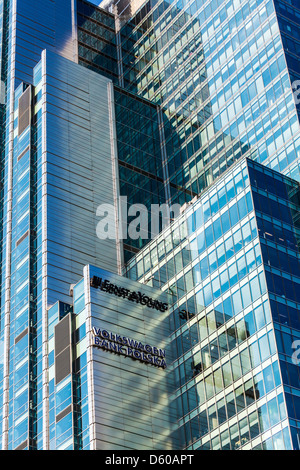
[{"x": 213, "y": 261}]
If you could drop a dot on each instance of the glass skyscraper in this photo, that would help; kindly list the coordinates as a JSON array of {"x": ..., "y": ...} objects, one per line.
[
  {"x": 156, "y": 102},
  {"x": 231, "y": 263}
]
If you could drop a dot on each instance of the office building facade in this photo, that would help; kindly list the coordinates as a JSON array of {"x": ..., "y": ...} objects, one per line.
[
  {"x": 224, "y": 77},
  {"x": 150, "y": 103},
  {"x": 116, "y": 394},
  {"x": 231, "y": 263}
]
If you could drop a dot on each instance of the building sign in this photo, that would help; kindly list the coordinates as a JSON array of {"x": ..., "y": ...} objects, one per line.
[
  {"x": 129, "y": 347},
  {"x": 138, "y": 297}
]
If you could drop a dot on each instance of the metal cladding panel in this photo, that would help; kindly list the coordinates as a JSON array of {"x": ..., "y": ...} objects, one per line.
[
  {"x": 63, "y": 413},
  {"x": 62, "y": 335},
  {"x": 130, "y": 406},
  {"x": 22, "y": 446},
  {"x": 63, "y": 349},
  {"x": 62, "y": 365},
  {"x": 24, "y": 111},
  {"x": 79, "y": 136},
  {"x": 21, "y": 335}
]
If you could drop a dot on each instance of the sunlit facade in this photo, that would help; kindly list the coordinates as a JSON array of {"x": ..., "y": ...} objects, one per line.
[
  {"x": 159, "y": 102},
  {"x": 231, "y": 263}
]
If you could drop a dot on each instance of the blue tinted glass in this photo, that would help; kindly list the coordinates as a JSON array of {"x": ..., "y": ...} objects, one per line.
[
  {"x": 217, "y": 229},
  {"x": 191, "y": 224},
  {"x": 234, "y": 218},
  {"x": 242, "y": 208},
  {"x": 241, "y": 267},
  {"x": 237, "y": 240},
  {"x": 204, "y": 268},
  {"x": 229, "y": 250},
  {"x": 214, "y": 204},
  {"x": 224, "y": 281},
  {"x": 199, "y": 217},
  {"x": 225, "y": 222},
  {"x": 237, "y": 302},
  {"x": 222, "y": 197},
  {"x": 206, "y": 211},
  {"x": 209, "y": 235},
  {"x": 227, "y": 307},
  {"x": 196, "y": 274},
  {"x": 207, "y": 294},
  {"x": 221, "y": 254},
  {"x": 246, "y": 297},
  {"x": 249, "y": 202},
  {"x": 212, "y": 260},
  {"x": 230, "y": 190},
  {"x": 233, "y": 274},
  {"x": 201, "y": 242}
]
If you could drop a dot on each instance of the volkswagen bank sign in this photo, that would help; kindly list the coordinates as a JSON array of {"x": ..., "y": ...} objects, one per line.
[{"x": 129, "y": 347}]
